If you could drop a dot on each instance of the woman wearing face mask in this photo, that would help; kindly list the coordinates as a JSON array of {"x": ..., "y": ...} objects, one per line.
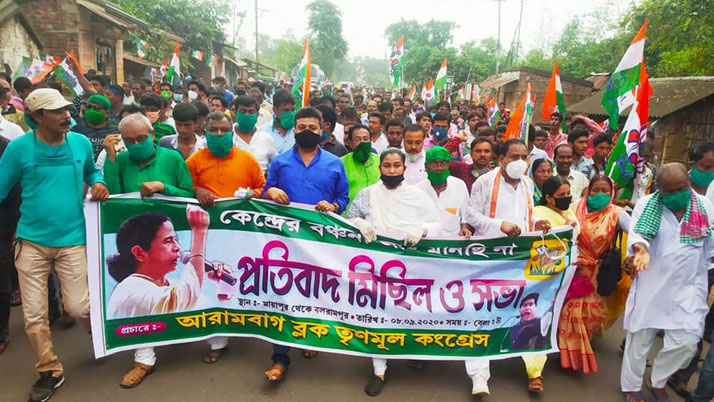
[
  {"x": 554, "y": 203},
  {"x": 540, "y": 171},
  {"x": 397, "y": 209},
  {"x": 582, "y": 315}
]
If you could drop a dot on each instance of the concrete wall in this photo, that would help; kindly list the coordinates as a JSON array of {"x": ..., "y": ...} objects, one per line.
[{"x": 16, "y": 43}]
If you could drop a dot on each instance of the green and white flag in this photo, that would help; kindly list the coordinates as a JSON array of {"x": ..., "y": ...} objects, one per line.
[
  {"x": 440, "y": 82},
  {"x": 396, "y": 63},
  {"x": 173, "y": 76},
  {"x": 625, "y": 77}
]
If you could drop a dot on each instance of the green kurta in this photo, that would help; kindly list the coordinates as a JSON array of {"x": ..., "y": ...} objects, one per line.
[
  {"x": 360, "y": 175},
  {"x": 125, "y": 175}
]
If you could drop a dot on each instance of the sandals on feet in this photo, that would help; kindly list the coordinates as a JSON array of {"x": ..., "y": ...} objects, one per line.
[
  {"x": 213, "y": 355},
  {"x": 275, "y": 372},
  {"x": 658, "y": 397},
  {"x": 309, "y": 354},
  {"x": 536, "y": 384},
  {"x": 634, "y": 396},
  {"x": 136, "y": 375}
]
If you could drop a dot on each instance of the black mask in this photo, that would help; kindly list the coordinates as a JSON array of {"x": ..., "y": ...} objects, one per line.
[
  {"x": 307, "y": 139},
  {"x": 392, "y": 181},
  {"x": 240, "y": 92},
  {"x": 563, "y": 203}
]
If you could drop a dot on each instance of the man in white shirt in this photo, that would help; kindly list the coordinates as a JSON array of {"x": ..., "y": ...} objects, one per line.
[
  {"x": 511, "y": 213},
  {"x": 563, "y": 158},
  {"x": 448, "y": 193},
  {"x": 9, "y": 129},
  {"x": 670, "y": 247},
  {"x": 376, "y": 124},
  {"x": 414, "y": 137},
  {"x": 245, "y": 112}
]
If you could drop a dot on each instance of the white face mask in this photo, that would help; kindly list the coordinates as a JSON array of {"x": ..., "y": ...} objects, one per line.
[
  {"x": 192, "y": 95},
  {"x": 516, "y": 169}
]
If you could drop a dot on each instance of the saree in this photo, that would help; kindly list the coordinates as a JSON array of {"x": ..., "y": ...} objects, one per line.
[{"x": 581, "y": 318}]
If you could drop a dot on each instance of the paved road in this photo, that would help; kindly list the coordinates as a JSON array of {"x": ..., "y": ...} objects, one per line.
[{"x": 181, "y": 376}]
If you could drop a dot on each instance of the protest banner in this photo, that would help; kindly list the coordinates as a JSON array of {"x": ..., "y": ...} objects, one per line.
[{"x": 308, "y": 279}]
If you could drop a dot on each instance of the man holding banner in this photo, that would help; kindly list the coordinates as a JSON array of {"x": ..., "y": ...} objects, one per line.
[
  {"x": 306, "y": 174},
  {"x": 502, "y": 202}
]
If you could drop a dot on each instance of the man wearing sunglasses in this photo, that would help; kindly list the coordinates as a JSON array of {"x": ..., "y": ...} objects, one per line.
[{"x": 96, "y": 123}]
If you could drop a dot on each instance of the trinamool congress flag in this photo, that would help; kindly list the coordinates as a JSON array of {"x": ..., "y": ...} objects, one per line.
[
  {"x": 553, "y": 101},
  {"x": 412, "y": 93},
  {"x": 625, "y": 77},
  {"x": 521, "y": 118},
  {"x": 429, "y": 96},
  {"x": 396, "y": 63},
  {"x": 173, "y": 75},
  {"x": 625, "y": 164},
  {"x": 295, "y": 276},
  {"x": 440, "y": 82},
  {"x": 141, "y": 46},
  {"x": 301, "y": 87},
  {"x": 423, "y": 90}
]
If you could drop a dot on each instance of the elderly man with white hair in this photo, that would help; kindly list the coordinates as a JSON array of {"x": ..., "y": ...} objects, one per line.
[
  {"x": 145, "y": 167},
  {"x": 670, "y": 246},
  {"x": 148, "y": 169}
]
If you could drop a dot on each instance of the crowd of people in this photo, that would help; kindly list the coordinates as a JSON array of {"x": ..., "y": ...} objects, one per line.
[{"x": 389, "y": 165}]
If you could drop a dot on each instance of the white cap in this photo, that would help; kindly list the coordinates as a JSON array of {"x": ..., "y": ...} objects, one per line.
[{"x": 45, "y": 98}]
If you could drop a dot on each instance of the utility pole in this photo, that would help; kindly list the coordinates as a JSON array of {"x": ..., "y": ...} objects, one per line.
[
  {"x": 498, "y": 53},
  {"x": 518, "y": 44},
  {"x": 256, "y": 31}
]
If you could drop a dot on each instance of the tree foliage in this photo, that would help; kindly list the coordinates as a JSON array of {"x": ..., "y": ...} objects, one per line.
[
  {"x": 327, "y": 45},
  {"x": 198, "y": 22}
]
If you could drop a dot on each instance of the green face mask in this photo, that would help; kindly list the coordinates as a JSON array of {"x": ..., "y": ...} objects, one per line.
[
  {"x": 439, "y": 178},
  {"x": 94, "y": 117},
  {"x": 362, "y": 151},
  {"x": 699, "y": 178},
  {"x": 598, "y": 202},
  {"x": 141, "y": 151},
  {"x": 166, "y": 94},
  {"x": 219, "y": 145},
  {"x": 287, "y": 120},
  {"x": 246, "y": 122},
  {"x": 676, "y": 201}
]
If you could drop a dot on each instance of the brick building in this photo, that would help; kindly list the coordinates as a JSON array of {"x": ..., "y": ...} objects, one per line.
[{"x": 510, "y": 86}]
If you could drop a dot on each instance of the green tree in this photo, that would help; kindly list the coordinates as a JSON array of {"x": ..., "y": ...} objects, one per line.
[
  {"x": 327, "y": 45},
  {"x": 680, "y": 37},
  {"x": 199, "y": 23}
]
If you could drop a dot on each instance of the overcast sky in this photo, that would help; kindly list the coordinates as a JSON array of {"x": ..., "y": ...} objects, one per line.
[{"x": 364, "y": 21}]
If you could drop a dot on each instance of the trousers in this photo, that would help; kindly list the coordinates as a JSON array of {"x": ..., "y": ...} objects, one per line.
[{"x": 679, "y": 347}]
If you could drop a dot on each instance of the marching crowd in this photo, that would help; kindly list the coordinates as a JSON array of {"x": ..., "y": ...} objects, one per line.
[{"x": 387, "y": 164}]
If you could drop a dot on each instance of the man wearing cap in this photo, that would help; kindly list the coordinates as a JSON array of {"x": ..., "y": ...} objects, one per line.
[
  {"x": 96, "y": 124},
  {"x": 115, "y": 94},
  {"x": 52, "y": 164},
  {"x": 448, "y": 193}
]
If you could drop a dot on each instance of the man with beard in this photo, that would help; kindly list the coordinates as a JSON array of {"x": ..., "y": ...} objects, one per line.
[
  {"x": 414, "y": 137},
  {"x": 482, "y": 155}
]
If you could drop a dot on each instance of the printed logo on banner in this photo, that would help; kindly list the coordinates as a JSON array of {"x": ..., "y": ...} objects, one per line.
[{"x": 547, "y": 259}]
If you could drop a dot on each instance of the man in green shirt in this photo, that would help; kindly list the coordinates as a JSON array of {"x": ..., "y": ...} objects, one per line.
[
  {"x": 361, "y": 165},
  {"x": 155, "y": 108},
  {"x": 148, "y": 169},
  {"x": 145, "y": 167},
  {"x": 52, "y": 165}
]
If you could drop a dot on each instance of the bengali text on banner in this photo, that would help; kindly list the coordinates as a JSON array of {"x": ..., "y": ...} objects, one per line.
[{"x": 299, "y": 277}]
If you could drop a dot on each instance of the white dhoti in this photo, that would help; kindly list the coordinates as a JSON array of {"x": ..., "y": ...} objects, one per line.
[
  {"x": 218, "y": 342},
  {"x": 679, "y": 347},
  {"x": 478, "y": 369},
  {"x": 145, "y": 356}
]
